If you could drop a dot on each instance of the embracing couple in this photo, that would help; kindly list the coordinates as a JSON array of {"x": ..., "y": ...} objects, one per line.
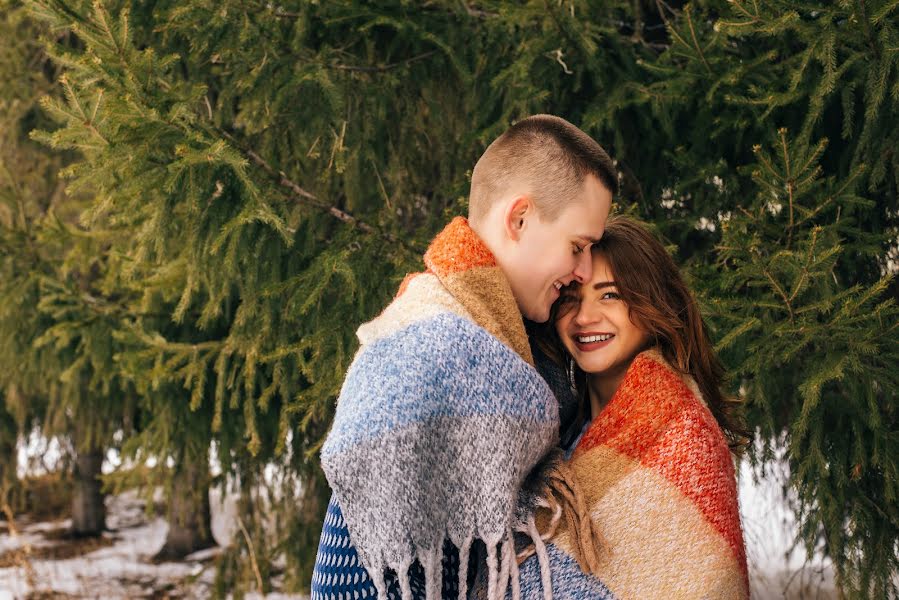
[{"x": 539, "y": 414}]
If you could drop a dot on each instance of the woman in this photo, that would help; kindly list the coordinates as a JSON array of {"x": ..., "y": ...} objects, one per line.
[{"x": 653, "y": 461}]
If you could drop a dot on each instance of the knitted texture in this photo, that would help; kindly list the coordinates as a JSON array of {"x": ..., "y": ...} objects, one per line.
[
  {"x": 441, "y": 416},
  {"x": 658, "y": 477},
  {"x": 339, "y": 574}
]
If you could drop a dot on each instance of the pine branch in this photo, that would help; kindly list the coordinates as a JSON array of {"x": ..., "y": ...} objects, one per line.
[
  {"x": 308, "y": 198},
  {"x": 382, "y": 68},
  {"x": 753, "y": 16},
  {"x": 687, "y": 12},
  {"x": 797, "y": 287},
  {"x": 780, "y": 292},
  {"x": 789, "y": 177},
  {"x": 477, "y": 12},
  {"x": 869, "y": 35}
]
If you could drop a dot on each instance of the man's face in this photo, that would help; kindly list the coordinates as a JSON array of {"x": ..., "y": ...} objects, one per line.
[{"x": 549, "y": 255}]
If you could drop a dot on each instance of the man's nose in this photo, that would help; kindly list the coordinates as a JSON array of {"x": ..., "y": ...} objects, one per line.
[{"x": 583, "y": 270}]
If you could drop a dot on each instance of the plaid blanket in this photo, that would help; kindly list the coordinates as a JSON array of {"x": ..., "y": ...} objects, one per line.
[
  {"x": 658, "y": 480},
  {"x": 441, "y": 417}
]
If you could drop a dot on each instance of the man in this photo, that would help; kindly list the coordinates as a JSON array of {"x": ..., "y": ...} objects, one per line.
[{"x": 442, "y": 413}]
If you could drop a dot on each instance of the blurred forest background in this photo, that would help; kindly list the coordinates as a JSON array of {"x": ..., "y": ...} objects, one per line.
[{"x": 201, "y": 200}]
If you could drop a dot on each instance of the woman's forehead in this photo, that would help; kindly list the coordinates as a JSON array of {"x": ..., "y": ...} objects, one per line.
[{"x": 602, "y": 269}]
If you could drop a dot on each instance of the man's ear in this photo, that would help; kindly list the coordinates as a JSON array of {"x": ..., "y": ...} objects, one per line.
[{"x": 516, "y": 215}]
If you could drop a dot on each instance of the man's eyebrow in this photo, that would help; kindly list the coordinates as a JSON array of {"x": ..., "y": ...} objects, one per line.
[
  {"x": 603, "y": 284},
  {"x": 588, "y": 238}
]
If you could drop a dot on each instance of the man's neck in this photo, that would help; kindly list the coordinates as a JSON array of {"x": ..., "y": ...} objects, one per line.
[{"x": 482, "y": 230}]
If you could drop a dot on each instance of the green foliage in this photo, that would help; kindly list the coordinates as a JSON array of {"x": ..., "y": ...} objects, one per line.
[
  {"x": 834, "y": 345},
  {"x": 241, "y": 195},
  {"x": 54, "y": 325}
]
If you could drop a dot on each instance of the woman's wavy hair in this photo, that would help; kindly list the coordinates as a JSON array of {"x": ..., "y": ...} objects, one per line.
[{"x": 650, "y": 284}]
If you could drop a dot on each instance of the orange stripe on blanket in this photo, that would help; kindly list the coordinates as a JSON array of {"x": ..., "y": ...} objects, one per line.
[
  {"x": 658, "y": 544},
  {"x": 654, "y": 417},
  {"x": 457, "y": 248}
]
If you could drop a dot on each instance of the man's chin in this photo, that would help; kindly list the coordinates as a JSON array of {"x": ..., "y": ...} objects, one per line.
[{"x": 538, "y": 316}]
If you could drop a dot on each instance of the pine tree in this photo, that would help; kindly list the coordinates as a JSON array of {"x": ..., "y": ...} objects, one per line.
[
  {"x": 67, "y": 302},
  {"x": 56, "y": 354},
  {"x": 794, "y": 325}
]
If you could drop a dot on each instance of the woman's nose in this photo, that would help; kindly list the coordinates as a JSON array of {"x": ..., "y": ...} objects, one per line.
[{"x": 587, "y": 313}]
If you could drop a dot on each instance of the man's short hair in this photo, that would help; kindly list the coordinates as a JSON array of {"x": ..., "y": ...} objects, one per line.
[{"x": 550, "y": 155}]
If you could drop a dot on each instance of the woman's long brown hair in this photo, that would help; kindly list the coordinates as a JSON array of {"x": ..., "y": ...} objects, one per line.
[{"x": 659, "y": 302}]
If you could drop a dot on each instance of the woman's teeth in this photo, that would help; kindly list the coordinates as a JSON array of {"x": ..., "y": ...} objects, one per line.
[
  {"x": 589, "y": 339},
  {"x": 557, "y": 285}
]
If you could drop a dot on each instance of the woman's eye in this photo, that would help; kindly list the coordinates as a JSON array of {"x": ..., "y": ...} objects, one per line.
[
  {"x": 611, "y": 296},
  {"x": 577, "y": 249}
]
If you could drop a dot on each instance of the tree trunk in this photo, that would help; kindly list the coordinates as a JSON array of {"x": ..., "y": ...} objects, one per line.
[
  {"x": 9, "y": 483},
  {"x": 88, "y": 507},
  {"x": 188, "y": 511}
]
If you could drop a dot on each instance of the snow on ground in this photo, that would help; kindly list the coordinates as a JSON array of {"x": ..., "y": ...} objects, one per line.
[
  {"x": 122, "y": 569},
  {"x": 769, "y": 527}
]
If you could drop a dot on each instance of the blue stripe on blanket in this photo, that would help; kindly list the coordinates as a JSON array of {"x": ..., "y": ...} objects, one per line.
[
  {"x": 339, "y": 574},
  {"x": 414, "y": 375},
  {"x": 568, "y": 581}
]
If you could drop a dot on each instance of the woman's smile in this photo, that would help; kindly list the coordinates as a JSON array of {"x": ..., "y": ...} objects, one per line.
[{"x": 590, "y": 341}]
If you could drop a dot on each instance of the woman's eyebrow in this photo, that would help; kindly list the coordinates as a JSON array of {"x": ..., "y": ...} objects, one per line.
[{"x": 602, "y": 284}]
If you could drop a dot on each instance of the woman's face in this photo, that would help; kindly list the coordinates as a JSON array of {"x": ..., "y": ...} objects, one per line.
[{"x": 594, "y": 325}]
